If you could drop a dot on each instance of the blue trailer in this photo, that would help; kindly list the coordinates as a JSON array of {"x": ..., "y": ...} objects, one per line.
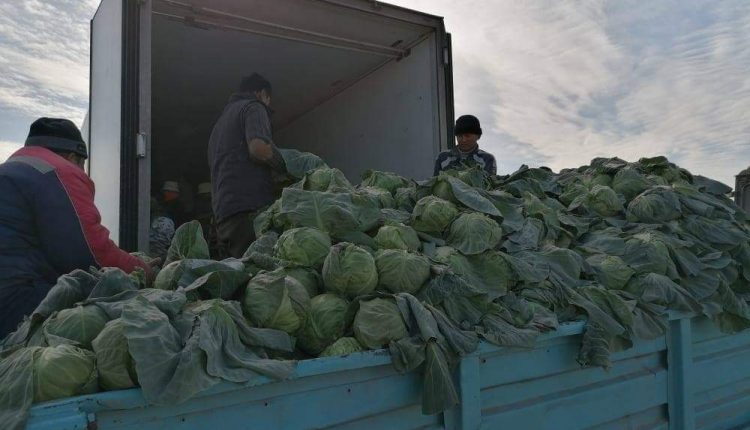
[{"x": 694, "y": 377}]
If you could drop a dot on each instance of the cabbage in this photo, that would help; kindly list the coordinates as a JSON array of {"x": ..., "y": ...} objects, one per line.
[
  {"x": 433, "y": 215},
  {"x": 79, "y": 325},
  {"x": 168, "y": 276},
  {"x": 343, "y": 346},
  {"x": 349, "y": 270},
  {"x": 398, "y": 236},
  {"x": 326, "y": 321},
  {"x": 326, "y": 179},
  {"x": 444, "y": 190},
  {"x": 116, "y": 366},
  {"x": 378, "y": 322},
  {"x": 400, "y": 271},
  {"x": 383, "y": 180},
  {"x": 601, "y": 179},
  {"x": 474, "y": 176},
  {"x": 298, "y": 163},
  {"x": 629, "y": 182},
  {"x": 275, "y": 301},
  {"x": 309, "y": 278},
  {"x": 610, "y": 270},
  {"x": 573, "y": 193},
  {"x": 603, "y": 201},
  {"x": 188, "y": 242},
  {"x": 488, "y": 272},
  {"x": 646, "y": 253},
  {"x": 268, "y": 219},
  {"x": 64, "y": 371},
  {"x": 305, "y": 246},
  {"x": 405, "y": 198},
  {"x": 183, "y": 273},
  {"x": 374, "y": 197},
  {"x": 474, "y": 233},
  {"x": 657, "y": 205}
]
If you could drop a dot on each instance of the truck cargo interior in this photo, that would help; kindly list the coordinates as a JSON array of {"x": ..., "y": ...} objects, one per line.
[{"x": 361, "y": 91}]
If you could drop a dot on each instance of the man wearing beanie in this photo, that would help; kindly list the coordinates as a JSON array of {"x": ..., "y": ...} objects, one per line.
[
  {"x": 244, "y": 162},
  {"x": 49, "y": 225},
  {"x": 466, "y": 153}
]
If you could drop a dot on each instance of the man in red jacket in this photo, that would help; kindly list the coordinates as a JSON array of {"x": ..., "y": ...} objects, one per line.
[{"x": 49, "y": 225}]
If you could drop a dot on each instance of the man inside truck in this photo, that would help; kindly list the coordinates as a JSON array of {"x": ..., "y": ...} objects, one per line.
[
  {"x": 49, "y": 225},
  {"x": 466, "y": 153},
  {"x": 243, "y": 161}
]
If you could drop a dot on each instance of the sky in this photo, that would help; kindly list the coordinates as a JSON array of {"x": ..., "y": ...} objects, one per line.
[{"x": 554, "y": 82}]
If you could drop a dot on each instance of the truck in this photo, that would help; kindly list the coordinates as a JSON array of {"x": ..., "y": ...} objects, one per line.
[
  {"x": 365, "y": 85},
  {"x": 694, "y": 377}
]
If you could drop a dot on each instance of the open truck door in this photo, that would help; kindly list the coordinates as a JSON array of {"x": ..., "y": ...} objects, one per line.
[
  {"x": 363, "y": 84},
  {"x": 117, "y": 128}
]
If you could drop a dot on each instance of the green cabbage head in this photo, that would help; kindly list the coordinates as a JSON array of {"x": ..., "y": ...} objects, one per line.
[
  {"x": 378, "y": 322},
  {"x": 343, "y": 346},
  {"x": 400, "y": 271},
  {"x": 169, "y": 276},
  {"x": 349, "y": 270},
  {"x": 326, "y": 179},
  {"x": 273, "y": 300},
  {"x": 305, "y": 246},
  {"x": 629, "y": 182},
  {"x": 603, "y": 201},
  {"x": 80, "y": 324},
  {"x": 308, "y": 277},
  {"x": 656, "y": 205},
  {"x": 383, "y": 180},
  {"x": 610, "y": 270},
  {"x": 63, "y": 371},
  {"x": 326, "y": 321},
  {"x": 405, "y": 198},
  {"x": 443, "y": 189},
  {"x": 474, "y": 233},
  {"x": 116, "y": 366},
  {"x": 433, "y": 215},
  {"x": 398, "y": 236},
  {"x": 373, "y": 197}
]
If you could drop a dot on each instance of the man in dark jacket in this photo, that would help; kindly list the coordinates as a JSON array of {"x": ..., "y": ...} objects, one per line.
[
  {"x": 466, "y": 153},
  {"x": 49, "y": 225},
  {"x": 243, "y": 160}
]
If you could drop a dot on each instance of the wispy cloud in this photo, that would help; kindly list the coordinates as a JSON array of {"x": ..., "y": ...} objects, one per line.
[
  {"x": 44, "y": 57},
  {"x": 7, "y": 149},
  {"x": 554, "y": 82},
  {"x": 561, "y": 82}
]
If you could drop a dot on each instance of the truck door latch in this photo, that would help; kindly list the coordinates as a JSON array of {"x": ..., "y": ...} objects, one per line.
[{"x": 140, "y": 146}]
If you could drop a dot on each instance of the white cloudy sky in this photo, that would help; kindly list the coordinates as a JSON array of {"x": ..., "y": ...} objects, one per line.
[{"x": 554, "y": 82}]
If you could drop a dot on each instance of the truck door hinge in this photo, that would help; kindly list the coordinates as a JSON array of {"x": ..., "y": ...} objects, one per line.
[{"x": 140, "y": 147}]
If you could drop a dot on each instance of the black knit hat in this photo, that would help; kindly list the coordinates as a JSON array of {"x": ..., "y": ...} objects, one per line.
[
  {"x": 255, "y": 82},
  {"x": 467, "y": 124},
  {"x": 57, "y": 134}
]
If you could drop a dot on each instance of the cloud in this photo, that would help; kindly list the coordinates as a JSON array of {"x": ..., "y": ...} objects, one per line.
[
  {"x": 7, "y": 149},
  {"x": 554, "y": 83},
  {"x": 44, "y": 57},
  {"x": 560, "y": 82}
]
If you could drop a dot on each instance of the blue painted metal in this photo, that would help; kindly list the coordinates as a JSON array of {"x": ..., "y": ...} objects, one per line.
[
  {"x": 679, "y": 385},
  {"x": 693, "y": 378}
]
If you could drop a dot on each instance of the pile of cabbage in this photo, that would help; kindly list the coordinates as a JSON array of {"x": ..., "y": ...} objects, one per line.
[{"x": 425, "y": 269}]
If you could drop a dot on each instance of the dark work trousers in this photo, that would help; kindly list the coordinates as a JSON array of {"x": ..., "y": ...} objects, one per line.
[{"x": 236, "y": 233}]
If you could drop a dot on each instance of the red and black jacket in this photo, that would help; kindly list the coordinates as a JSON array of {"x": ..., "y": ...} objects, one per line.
[{"x": 49, "y": 226}]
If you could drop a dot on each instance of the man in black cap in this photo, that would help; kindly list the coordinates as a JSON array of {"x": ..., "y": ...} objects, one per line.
[
  {"x": 49, "y": 225},
  {"x": 243, "y": 161},
  {"x": 466, "y": 153}
]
